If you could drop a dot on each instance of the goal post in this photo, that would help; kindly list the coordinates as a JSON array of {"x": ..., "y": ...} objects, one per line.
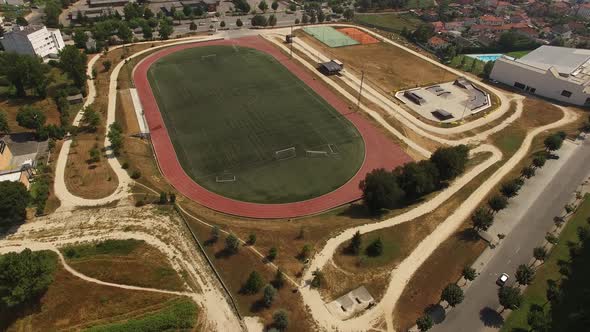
[
  {"x": 316, "y": 154},
  {"x": 211, "y": 56},
  {"x": 287, "y": 153},
  {"x": 225, "y": 178}
]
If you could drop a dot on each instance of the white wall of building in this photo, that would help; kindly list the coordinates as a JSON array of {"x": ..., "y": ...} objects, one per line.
[
  {"x": 536, "y": 81},
  {"x": 41, "y": 42}
]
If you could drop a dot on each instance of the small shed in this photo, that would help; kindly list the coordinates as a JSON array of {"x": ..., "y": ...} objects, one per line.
[
  {"x": 75, "y": 99},
  {"x": 331, "y": 67}
]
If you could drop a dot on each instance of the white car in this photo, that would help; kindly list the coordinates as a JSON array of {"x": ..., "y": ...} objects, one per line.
[{"x": 502, "y": 279}]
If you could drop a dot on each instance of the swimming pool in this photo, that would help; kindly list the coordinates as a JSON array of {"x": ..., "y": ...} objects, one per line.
[{"x": 485, "y": 57}]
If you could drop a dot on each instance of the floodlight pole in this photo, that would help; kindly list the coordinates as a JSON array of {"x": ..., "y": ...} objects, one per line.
[
  {"x": 462, "y": 115},
  {"x": 358, "y": 102},
  {"x": 292, "y": 41}
]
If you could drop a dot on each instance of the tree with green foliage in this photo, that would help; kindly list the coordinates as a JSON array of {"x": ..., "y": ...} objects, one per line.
[
  {"x": 354, "y": 247},
  {"x": 165, "y": 30},
  {"x": 272, "y": 20},
  {"x": 321, "y": 16},
  {"x": 239, "y": 23},
  {"x": 187, "y": 10},
  {"x": 482, "y": 219},
  {"x": 280, "y": 320},
  {"x": 553, "y": 142},
  {"x": 510, "y": 188},
  {"x": 192, "y": 26},
  {"x": 253, "y": 284},
  {"x": 80, "y": 38},
  {"x": 540, "y": 254},
  {"x": 147, "y": 31},
  {"x": 424, "y": 323},
  {"x": 20, "y": 20},
  {"x": 537, "y": 319},
  {"x": 539, "y": 160},
  {"x": 381, "y": 190},
  {"x": 450, "y": 161},
  {"x": 313, "y": 18},
  {"x": 524, "y": 274},
  {"x": 163, "y": 198},
  {"x": 551, "y": 238},
  {"x": 52, "y": 11},
  {"x": 24, "y": 72},
  {"x": 553, "y": 292},
  {"x": 74, "y": 64},
  {"x": 14, "y": 199},
  {"x": 375, "y": 248},
  {"x": 452, "y": 294},
  {"x": 251, "y": 239},
  {"x": 215, "y": 234},
  {"x": 94, "y": 154},
  {"x": 25, "y": 275},
  {"x": 263, "y": 6},
  {"x": 222, "y": 24},
  {"x": 30, "y": 118},
  {"x": 259, "y": 21},
  {"x": 275, "y": 5},
  {"x": 497, "y": 203},
  {"x": 232, "y": 244},
  {"x": 528, "y": 172},
  {"x": 304, "y": 18},
  {"x": 305, "y": 252},
  {"x": 124, "y": 32},
  {"x": 487, "y": 68},
  {"x": 241, "y": 6},
  {"x": 348, "y": 14},
  {"x": 318, "y": 279},
  {"x": 268, "y": 295},
  {"x": 106, "y": 65},
  {"x": 272, "y": 254},
  {"x": 418, "y": 179},
  {"x": 115, "y": 136},
  {"x": 279, "y": 280},
  {"x": 4, "y": 129},
  {"x": 469, "y": 273}
]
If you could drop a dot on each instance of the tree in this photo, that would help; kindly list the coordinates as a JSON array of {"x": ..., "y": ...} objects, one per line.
[
  {"x": 4, "y": 129},
  {"x": 510, "y": 188},
  {"x": 22, "y": 21},
  {"x": 348, "y": 14},
  {"x": 274, "y": 5},
  {"x": 528, "y": 172},
  {"x": 52, "y": 11},
  {"x": 259, "y": 20},
  {"x": 424, "y": 323},
  {"x": 94, "y": 154},
  {"x": 537, "y": 319},
  {"x": 524, "y": 274},
  {"x": 553, "y": 293},
  {"x": 106, "y": 64},
  {"x": 163, "y": 198},
  {"x": 30, "y": 118},
  {"x": 14, "y": 199},
  {"x": 452, "y": 294},
  {"x": 74, "y": 64},
  {"x": 279, "y": 280},
  {"x": 147, "y": 31},
  {"x": 24, "y": 72},
  {"x": 551, "y": 238},
  {"x": 192, "y": 26},
  {"x": 312, "y": 19},
  {"x": 25, "y": 275},
  {"x": 297, "y": 21},
  {"x": 304, "y": 19},
  {"x": 418, "y": 179},
  {"x": 252, "y": 239},
  {"x": 450, "y": 162},
  {"x": 187, "y": 11},
  {"x": 497, "y": 203},
  {"x": 253, "y": 284},
  {"x": 509, "y": 297},
  {"x": 80, "y": 38},
  {"x": 90, "y": 119},
  {"x": 318, "y": 279},
  {"x": 232, "y": 244},
  {"x": 321, "y": 16},
  {"x": 272, "y": 254},
  {"x": 165, "y": 30},
  {"x": 305, "y": 252},
  {"x": 124, "y": 32},
  {"x": 355, "y": 243},
  {"x": 539, "y": 160},
  {"x": 263, "y": 6},
  {"x": 469, "y": 273},
  {"x": 215, "y": 234},
  {"x": 553, "y": 142},
  {"x": 381, "y": 190},
  {"x": 239, "y": 23},
  {"x": 148, "y": 13},
  {"x": 222, "y": 24},
  {"x": 487, "y": 68},
  {"x": 241, "y": 5},
  {"x": 272, "y": 20},
  {"x": 540, "y": 254},
  {"x": 269, "y": 294},
  {"x": 375, "y": 248},
  {"x": 482, "y": 219},
  {"x": 280, "y": 320},
  {"x": 115, "y": 136}
]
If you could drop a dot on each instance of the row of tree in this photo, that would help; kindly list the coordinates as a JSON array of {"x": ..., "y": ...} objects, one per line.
[{"x": 384, "y": 189}]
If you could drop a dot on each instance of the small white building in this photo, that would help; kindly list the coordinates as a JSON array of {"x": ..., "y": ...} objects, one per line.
[
  {"x": 33, "y": 40},
  {"x": 558, "y": 73}
]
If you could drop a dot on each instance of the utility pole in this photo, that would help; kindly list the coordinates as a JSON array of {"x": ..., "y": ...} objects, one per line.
[
  {"x": 292, "y": 41},
  {"x": 358, "y": 102}
]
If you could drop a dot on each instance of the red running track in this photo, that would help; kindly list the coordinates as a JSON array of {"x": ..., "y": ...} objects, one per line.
[{"x": 380, "y": 152}]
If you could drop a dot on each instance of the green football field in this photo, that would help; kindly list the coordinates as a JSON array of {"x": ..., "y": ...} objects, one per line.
[{"x": 245, "y": 127}]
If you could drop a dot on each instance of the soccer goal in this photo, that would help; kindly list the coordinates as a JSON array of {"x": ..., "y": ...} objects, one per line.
[
  {"x": 287, "y": 153},
  {"x": 225, "y": 178},
  {"x": 316, "y": 154},
  {"x": 333, "y": 149}
]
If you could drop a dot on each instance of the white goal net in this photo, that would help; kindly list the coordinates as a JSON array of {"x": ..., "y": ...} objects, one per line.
[
  {"x": 287, "y": 153},
  {"x": 225, "y": 178},
  {"x": 316, "y": 154}
]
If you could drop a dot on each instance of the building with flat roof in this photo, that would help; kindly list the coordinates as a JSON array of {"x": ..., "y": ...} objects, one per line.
[
  {"x": 107, "y": 3},
  {"x": 33, "y": 40},
  {"x": 558, "y": 73}
]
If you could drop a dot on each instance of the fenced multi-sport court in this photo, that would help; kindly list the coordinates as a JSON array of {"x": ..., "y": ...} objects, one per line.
[
  {"x": 358, "y": 35},
  {"x": 330, "y": 36},
  {"x": 170, "y": 140}
]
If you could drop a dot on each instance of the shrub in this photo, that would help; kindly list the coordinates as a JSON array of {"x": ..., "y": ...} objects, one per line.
[
  {"x": 136, "y": 174},
  {"x": 253, "y": 284}
]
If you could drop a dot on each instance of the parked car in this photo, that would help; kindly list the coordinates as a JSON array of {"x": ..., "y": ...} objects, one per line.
[{"x": 502, "y": 279}]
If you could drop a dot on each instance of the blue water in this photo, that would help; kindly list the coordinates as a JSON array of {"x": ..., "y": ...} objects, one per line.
[{"x": 485, "y": 57}]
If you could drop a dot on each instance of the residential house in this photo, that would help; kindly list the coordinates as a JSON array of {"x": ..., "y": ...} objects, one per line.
[
  {"x": 491, "y": 20},
  {"x": 437, "y": 43}
]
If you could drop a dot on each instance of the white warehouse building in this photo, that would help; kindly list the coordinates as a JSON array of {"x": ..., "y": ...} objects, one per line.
[
  {"x": 558, "y": 73},
  {"x": 33, "y": 40}
]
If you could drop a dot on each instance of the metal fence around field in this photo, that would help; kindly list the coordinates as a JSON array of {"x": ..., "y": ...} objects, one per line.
[{"x": 330, "y": 36}]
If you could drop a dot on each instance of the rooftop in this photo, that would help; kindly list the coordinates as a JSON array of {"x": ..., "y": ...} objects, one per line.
[{"x": 565, "y": 60}]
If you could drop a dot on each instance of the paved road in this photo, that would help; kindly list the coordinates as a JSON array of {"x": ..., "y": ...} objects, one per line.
[{"x": 478, "y": 311}]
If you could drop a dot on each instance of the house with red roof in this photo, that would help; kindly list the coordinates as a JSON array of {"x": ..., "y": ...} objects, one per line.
[
  {"x": 491, "y": 20},
  {"x": 437, "y": 43}
]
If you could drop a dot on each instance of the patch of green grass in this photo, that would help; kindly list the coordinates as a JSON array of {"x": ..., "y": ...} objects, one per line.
[
  {"x": 467, "y": 64},
  {"x": 518, "y": 54},
  {"x": 536, "y": 292},
  {"x": 389, "y": 22},
  {"x": 107, "y": 247},
  {"x": 225, "y": 125},
  {"x": 410, "y": 4},
  {"x": 181, "y": 315},
  {"x": 509, "y": 140}
]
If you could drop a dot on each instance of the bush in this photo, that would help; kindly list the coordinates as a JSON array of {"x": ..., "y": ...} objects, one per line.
[
  {"x": 272, "y": 254},
  {"x": 136, "y": 174},
  {"x": 125, "y": 165},
  {"x": 232, "y": 244},
  {"x": 251, "y": 239},
  {"x": 253, "y": 284},
  {"x": 375, "y": 248},
  {"x": 280, "y": 320}
]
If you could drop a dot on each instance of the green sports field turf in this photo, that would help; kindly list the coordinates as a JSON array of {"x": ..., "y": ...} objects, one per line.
[
  {"x": 330, "y": 36},
  {"x": 228, "y": 110}
]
